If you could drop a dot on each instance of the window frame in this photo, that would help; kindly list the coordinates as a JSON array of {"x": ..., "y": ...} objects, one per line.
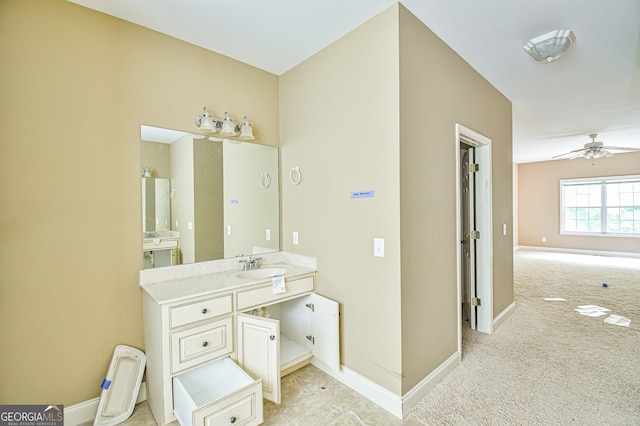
[{"x": 603, "y": 181}]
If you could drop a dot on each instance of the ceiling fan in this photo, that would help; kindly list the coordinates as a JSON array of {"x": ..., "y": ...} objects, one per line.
[{"x": 595, "y": 149}]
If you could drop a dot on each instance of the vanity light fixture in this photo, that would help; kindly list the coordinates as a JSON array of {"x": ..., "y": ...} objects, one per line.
[
  {"x": 246, "y": 131},
  {"x": 205, "y": 121},
  {"x": 228, "y": 126},
  {"x": 225, "y": 127},
  {"x": 550, "y": 46}
]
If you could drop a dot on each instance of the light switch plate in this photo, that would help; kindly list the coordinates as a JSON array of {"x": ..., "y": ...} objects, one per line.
[
  {"x": 295, "y": 238},
  {"x": 268, "y": 235},
  {"x": 378, "y": 247}
]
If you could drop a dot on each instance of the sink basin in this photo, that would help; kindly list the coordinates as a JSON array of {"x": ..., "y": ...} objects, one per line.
[{"x": 264, "y": 272}]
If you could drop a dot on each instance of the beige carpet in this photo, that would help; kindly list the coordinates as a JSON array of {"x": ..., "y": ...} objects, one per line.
[{"x": 547, "y": 364}]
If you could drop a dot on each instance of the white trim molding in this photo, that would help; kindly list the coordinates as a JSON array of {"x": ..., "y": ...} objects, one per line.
[
  {"x": 580, "y": 251},
  {"x": 397, "y": 405},
  {"x": 502, "y": 316},
  {"x": 84, "y": 412}
]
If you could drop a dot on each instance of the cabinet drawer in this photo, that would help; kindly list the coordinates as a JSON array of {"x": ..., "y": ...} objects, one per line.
[
  {"x": 199, "y": 344},
  {"x": 264, "y": 295},
  {"x": 217, "y": 393},
  {"x": 200, "y": 311}
]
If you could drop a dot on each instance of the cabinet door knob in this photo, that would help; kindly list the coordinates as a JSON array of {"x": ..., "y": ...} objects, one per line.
[
  {"x": 272, "y": 337},
  {"x": 232, "y": 419},
  {"x": 204, "y": 311},
  {"x": 205, "y": 344}
]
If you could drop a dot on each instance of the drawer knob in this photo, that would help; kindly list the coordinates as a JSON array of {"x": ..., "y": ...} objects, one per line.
[
  {"x": 204, "y": 311},
  {"x": 205, "y": 344},
  {"x": 272, "y": 337},
  {"x": 232, "y": 419}
]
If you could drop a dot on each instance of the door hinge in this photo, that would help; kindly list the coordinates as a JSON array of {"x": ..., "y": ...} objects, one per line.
[
  {"x": 474, "y": 167},
  {"x": 311, "y": 339},
  {"x": 475, "y": 235},
  {"x": 310, "y": 306},
  {"x": 475, "y": 301}
]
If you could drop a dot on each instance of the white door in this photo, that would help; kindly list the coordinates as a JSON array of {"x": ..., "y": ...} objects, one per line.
[
  {"x": 325, "y": 329},
  {"x": 468, "y": 225},
  {"x": 259, "y": 352}
]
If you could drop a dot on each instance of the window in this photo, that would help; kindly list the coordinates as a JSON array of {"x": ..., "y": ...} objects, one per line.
[{"x": 600, "y": 206}]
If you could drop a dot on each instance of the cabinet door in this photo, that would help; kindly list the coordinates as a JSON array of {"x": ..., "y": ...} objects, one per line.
[
  {"x": 325, "y": 329},
  {"x": 259, "y": 352}
]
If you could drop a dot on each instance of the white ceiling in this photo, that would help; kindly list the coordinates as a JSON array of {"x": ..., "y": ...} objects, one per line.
[{"x": 593, "y": 88}]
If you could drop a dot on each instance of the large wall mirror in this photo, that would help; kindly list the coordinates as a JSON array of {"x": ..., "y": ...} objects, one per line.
[{"x": 206, "y": 198}]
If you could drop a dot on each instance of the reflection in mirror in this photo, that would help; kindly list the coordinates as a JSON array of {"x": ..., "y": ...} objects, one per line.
[
  {"x": 156, "y": 207},
  {"x": 222, "y": 195}
]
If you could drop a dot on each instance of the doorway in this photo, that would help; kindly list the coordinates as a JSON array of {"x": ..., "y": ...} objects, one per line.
[
  {"x": 474, "y": 231},
  {"x": 467, "y": 225}
]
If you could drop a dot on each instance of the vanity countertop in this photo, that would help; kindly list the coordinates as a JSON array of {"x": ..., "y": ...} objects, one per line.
[{"x": 205, "y": 282}]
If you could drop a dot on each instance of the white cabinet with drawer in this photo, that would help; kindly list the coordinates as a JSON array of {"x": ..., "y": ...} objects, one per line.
[
  {"x": 195, "y": 345},
  {"x": 217, "y": 393},
  {"x": 180, "y": 337},
  {"x": 200, "y": 310},
  {"x": 192, "y": 337}
]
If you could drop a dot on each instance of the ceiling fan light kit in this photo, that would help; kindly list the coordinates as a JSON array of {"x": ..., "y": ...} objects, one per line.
[
  {"x": 550, "y": 46},
  {"x": 595, "y": 149}
]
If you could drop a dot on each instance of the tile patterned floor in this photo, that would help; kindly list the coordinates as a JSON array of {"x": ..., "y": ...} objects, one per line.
[{"x": 309, "y": 397}]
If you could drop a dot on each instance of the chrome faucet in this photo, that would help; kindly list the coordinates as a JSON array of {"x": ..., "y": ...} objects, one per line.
[{"x": 250, "y": 263}]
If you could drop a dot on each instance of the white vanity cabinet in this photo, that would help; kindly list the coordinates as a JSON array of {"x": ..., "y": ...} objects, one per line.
[
  {"x": 188, "y": 370},
  {"x": 193, "y": 336}
]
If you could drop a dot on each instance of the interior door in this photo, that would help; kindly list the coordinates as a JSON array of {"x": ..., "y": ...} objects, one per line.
[
  {"x": 259, "y": 352},
  {"x": 468, "y": 245}
]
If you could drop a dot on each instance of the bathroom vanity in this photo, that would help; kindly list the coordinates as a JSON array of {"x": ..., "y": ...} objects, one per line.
[{"x": 218, "y": 339}]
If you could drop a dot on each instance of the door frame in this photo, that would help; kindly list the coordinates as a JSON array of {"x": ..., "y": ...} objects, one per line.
[{"x": 484, "y": 219}]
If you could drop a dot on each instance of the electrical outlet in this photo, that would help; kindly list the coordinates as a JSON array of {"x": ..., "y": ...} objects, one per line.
[{"x": 543, "y": 239}]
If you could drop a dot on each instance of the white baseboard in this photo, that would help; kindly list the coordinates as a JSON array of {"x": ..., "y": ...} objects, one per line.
[
  {"x": 412, "y": 397},
  {"x": 84, "y": 412},
  {"x": 365, "y": 387},
  {"x": 579, "y": 251},
  {"x": 397, "y": 405},
  {"x": 497, "y": 321}
]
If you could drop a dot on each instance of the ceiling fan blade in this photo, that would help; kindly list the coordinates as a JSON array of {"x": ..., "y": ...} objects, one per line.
[
  {"x": 606, "y": 153},
  {"x": 621, "y": 148},
  {"x": 567, "y": 153}
]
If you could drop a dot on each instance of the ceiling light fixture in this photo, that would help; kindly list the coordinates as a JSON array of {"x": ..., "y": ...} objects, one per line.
[
  {"x": 226, "y": 127},
  {"x": 550, "y": 46}
]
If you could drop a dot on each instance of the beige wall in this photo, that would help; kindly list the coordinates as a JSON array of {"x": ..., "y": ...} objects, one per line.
[
  {"x": 539, "y": 201},
  {"x": 75, "y": 85},
  {"x": 339, "y": 123},
  {"x": 392, "y": 132},
  {"x": 437, "y": 90}
]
